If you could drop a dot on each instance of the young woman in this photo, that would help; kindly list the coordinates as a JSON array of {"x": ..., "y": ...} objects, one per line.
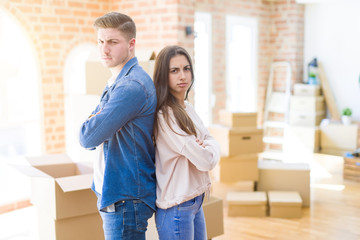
[{"x": 184, "y": 152}]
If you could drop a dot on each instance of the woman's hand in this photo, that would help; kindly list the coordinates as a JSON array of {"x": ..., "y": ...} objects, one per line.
[{"x": 200, "y": 142}]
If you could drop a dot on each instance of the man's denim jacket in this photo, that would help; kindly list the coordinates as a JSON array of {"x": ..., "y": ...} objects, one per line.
[{"x": 124, "y": 123}]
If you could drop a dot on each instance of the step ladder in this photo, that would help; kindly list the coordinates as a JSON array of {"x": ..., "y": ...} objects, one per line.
[{"x": 276, "y": 103}]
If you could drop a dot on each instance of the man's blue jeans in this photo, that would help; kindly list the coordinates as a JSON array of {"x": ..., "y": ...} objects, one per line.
[
  {"x": 128, "y": 222},
  {"x": 182, "y": 222}
]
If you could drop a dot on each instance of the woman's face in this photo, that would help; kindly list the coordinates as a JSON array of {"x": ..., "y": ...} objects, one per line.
[{"x": 179, "y": 76}]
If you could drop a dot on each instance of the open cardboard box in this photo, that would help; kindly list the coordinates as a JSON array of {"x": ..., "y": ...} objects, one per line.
[{"x": 62, "y": 195}]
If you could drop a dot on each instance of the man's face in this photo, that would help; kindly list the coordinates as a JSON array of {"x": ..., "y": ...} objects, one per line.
[{"x": 114, "y": 47}]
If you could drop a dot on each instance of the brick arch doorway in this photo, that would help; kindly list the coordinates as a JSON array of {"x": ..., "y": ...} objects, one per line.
[
  {"x": 20, "y": 111},
  {"x": 78, "y": 104}
]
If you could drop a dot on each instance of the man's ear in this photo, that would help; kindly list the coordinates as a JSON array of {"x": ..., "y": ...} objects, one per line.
[{"x": 132, "y": 44}]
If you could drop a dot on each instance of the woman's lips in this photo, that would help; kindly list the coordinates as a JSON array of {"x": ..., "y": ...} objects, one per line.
[{"x": 182, "y": 84}]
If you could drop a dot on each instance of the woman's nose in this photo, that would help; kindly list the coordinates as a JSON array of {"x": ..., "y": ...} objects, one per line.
[{"x": 182, "y": 74}]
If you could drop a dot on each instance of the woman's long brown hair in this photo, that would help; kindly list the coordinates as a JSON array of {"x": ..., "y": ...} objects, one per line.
[{"x": 165, "y": 100}]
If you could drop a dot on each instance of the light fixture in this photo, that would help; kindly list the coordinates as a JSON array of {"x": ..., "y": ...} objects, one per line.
[{"x": 188, "y": 30}]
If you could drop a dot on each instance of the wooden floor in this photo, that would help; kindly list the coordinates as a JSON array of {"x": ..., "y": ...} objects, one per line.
[{"x": 334, "y": 212}]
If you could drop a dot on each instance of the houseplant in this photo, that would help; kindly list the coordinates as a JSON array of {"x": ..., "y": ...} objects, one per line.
[{"x": 346, "y": 116}]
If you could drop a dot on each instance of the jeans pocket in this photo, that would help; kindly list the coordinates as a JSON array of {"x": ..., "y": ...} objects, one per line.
[
  {"x": 188, "y": 204},
  {"x": 142, "y": 214}
]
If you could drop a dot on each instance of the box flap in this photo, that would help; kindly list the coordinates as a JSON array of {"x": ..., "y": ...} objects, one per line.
[
  {"x": 75, "y": 183},
  {"x": 49, "y": 159},
  {"x": 30, "y": 171}
]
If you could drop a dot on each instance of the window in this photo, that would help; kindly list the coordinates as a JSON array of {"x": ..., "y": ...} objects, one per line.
[
  {"x": 19, "y": 92},
  {"x": 241, "y": 62},
  {"x": 203, "y": 72},
  {"x": 20, "y": 131}
]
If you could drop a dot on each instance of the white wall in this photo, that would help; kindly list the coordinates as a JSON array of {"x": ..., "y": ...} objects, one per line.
[{"x": 332, "y": 34}]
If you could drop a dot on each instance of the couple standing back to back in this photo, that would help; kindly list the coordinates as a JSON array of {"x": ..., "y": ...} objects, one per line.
[{"x": 154, "y": 151}]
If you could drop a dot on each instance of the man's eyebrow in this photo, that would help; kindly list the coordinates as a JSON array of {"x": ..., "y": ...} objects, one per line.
[{"x": 107, "y": 40}]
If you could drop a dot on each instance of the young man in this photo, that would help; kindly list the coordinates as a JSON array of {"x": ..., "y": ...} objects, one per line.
[{"x": 121, "y": 127}]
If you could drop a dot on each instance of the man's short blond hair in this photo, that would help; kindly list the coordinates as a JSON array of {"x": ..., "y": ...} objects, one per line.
[{"x": 117, "y": 20}]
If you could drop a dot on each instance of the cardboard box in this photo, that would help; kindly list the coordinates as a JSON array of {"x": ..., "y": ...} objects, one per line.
[
  {"x": 239, "y": 168},
  {"x": 334, "y": 151},
  {"x": 220, "y": 189},
  {"x": 280, "y": 176},
  {"x": 146, "y": 60},
  {"x": 73, "y": 228},
  {"x": 214, "y": 218},
  {"x": 301, "y": 139},
  {"x": 96, "y": 74},
  {"x": 306, "y": 90},
  {"x": 62, "y": 195},
  {"x": 247, "y": 204},
  {"x": 307, "y": 103},
  {"x": 284, "y": 204},
  {"x": 338, "y": 137},
  {"x": 236, "y": 141},
  {"x": 351, "y": 167},
  {"x": 238, "y": 119},
  {"x": 306, "y": 118}
]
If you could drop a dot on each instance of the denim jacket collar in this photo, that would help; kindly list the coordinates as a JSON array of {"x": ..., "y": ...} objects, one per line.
[{"x": 126, "y": 69}]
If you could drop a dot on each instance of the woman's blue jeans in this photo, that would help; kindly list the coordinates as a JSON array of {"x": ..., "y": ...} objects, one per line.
[
  {"x": 128, "y": 222},
  {"x": 182, "y": 222}
]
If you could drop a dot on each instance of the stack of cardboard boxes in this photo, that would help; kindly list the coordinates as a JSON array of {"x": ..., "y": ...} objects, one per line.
[
  {"x": 279, "y": 204},
  {"x": 282, "y": 190},
  {"x": 240, "y": 142},
  {"x": 239, "y": 169},
  {"x": 307, "y": 109}
]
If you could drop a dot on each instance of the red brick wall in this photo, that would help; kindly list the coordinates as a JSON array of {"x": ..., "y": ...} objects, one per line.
[
  {"x": 159, "y": 22},
  {"x": 280, "y": 28},
  {"x": 287, "y": 35},
  {"x": 56, "y": 27}
]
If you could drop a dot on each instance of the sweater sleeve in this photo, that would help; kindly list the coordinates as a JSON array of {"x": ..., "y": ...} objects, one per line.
[{"x": 203, "y": 158}]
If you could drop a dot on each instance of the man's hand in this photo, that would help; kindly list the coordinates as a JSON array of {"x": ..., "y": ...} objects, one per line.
[{"x": 92, "y": 115}]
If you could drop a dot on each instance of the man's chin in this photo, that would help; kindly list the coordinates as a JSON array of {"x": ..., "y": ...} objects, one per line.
[{"x": 106, "y": 64}]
